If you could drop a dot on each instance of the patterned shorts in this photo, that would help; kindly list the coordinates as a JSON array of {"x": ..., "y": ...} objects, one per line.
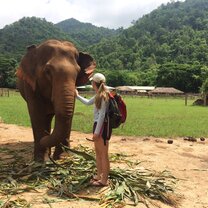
[{"x": 105, "y": 131}]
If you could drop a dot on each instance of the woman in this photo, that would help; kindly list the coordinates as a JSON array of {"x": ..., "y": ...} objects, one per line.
[{"x": 101, "y": 129}]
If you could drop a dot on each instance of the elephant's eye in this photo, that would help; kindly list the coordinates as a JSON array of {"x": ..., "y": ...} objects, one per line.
[{"x": 48, "y": 72}]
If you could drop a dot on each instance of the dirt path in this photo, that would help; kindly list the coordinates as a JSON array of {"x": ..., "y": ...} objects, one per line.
[{"x": 186, "y": 160}]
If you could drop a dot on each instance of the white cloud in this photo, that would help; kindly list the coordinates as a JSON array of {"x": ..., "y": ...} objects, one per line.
[{"x": 108, "y": 13}]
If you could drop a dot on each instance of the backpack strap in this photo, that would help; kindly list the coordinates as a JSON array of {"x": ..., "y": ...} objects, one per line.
[
  {"x": 110, "y": 95},
  {"x": 107, "y": 119},
  {"x": 108, "y": 128}
]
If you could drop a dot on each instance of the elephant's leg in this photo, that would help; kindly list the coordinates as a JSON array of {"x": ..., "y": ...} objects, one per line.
[
  {"x": 41, "y": 128},
  {"x": 41, "y": 125},
  {"x": 58, "y": 149}
]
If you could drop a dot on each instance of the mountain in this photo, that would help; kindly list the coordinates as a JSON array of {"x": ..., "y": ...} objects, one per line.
[
  {"x": 32, "y": 30},
  {"x": 86, "y": 34},
  {"x": 175, "y": 32},
  {"x": 167, "y": 47},
  {"x": 27, "y": 31}
]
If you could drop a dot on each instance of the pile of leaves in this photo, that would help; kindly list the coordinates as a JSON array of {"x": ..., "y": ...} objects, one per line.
[{"x": 71, "y": 175}]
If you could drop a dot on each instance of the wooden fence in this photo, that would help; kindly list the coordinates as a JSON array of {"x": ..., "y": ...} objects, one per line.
[
  {"x": 190, "y": 96},
  {"x": 4, "y": 92}
]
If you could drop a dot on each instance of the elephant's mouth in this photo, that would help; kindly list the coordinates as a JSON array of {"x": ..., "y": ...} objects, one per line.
[
  {"x": 85, "y": 74},
  {"x": 89, "y": 70}
]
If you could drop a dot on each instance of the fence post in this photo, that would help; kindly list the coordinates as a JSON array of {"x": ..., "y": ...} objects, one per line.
[
  {"x": 186, "y": 99},
  {"x": 205, "y": 99}
]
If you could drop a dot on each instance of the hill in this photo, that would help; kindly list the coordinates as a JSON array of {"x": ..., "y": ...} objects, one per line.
[
  {"x": 176, "y": 32},
  {"x": 31, "y": 30},
  {"x": 15, "y": 37},
  {"x": 86, "y": 34},
  {"x": 167, "y": 47}
]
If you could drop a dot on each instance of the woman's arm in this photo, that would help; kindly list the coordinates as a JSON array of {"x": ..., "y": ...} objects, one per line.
[
  {"x": 101, "y": 117},
  {"x": 85, "y": 100}
]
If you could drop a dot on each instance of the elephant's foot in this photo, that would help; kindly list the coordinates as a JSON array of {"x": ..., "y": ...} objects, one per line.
[
  {"x": 42, "y": 155},
  {"x": 58, "y": 153}
]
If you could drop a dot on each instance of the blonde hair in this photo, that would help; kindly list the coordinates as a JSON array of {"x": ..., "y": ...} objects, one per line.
[{"x": 101, "y": 94}]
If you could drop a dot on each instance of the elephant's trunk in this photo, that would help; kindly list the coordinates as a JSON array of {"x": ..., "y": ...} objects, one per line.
[{"x": 63, "y": 99}]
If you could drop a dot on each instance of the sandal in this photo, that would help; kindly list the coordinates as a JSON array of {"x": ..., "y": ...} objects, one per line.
[
  {"x": 97, "y": 183},
  {"x": 95, "y": 178}
]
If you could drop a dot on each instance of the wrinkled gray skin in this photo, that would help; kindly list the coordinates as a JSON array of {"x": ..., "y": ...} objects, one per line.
[{"x": 47, "y": 77}]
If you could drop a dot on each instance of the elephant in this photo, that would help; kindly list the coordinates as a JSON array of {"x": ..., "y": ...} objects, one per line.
[{"x": 47, "y": 77}]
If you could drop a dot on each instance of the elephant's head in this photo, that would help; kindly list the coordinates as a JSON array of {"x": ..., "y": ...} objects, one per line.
[
  {"x": 35, "y": 58},
  {"x": 53, "y": 69}
]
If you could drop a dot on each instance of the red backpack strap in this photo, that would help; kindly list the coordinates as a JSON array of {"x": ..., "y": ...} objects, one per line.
[{"x": 110, "y": 95}]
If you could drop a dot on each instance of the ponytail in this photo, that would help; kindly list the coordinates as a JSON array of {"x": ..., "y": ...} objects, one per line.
[{"x": 101, "y": 94}]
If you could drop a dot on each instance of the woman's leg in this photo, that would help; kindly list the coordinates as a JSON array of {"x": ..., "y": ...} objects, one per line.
[
  {"x": 98, "y": 159},
  {"x": 105, "y": 164},
  {"x": 102, "y": 159}
]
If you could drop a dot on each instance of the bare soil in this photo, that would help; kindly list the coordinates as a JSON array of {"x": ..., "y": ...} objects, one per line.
[{"x": 186, "y": 160}]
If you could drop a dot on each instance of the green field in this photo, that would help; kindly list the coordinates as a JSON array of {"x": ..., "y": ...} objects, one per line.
[{"x": 159, "y": 117}]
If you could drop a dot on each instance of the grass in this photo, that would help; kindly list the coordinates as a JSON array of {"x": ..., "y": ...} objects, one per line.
[
  {"x": 159, "y": 117},
  {"x": 13, "y": 110},
  {"x": 165, "y": 117}
]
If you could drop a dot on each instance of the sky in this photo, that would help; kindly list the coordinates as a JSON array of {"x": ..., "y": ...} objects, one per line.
[{"x": 107, "y": 13}]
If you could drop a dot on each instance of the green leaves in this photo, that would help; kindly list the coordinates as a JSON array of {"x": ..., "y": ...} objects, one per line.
[
  {"x": 19, "y": 202},
  {"x": 70, "y": 176},
  {"x": 139, "y": 185}
]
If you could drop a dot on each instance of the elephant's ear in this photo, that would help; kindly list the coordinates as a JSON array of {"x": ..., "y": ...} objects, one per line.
[
  {"x": 26, "y": 70},
  {"x": 87, "y": 65},
  {"x": 21, "y": 75}
]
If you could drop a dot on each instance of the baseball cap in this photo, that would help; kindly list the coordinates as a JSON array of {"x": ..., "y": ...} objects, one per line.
[{"x": 98, "y": 78}]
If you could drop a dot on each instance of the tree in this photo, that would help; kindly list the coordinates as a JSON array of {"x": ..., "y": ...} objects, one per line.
[
  {"x": 7, "y": 72},
  {"x": 185, "y": 77},
  {"x": 116, "y": 78},
  {"x": 204, "y": 90}
]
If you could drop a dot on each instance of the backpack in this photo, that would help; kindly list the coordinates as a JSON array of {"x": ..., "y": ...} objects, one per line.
[{"x": 117, "y": 112}]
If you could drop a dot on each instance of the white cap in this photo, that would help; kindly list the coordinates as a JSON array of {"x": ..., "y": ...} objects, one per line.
[{"x": 98, "y": 78}]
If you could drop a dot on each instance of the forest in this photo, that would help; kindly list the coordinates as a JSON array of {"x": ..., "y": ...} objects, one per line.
[{"x": 166, "y": 48}]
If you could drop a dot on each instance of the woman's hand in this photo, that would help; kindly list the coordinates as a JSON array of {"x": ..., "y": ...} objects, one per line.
[{"x": 95, "y": 137}]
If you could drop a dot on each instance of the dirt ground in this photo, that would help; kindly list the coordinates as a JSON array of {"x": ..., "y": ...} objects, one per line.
[{"x": 186, "y": 160}]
